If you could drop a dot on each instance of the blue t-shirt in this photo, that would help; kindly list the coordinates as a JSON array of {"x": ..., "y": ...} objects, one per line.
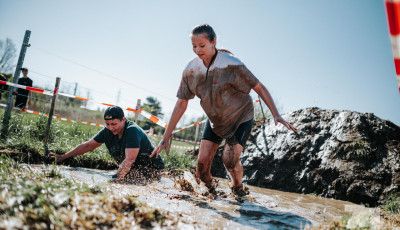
[{"x": 133, "y": 137}]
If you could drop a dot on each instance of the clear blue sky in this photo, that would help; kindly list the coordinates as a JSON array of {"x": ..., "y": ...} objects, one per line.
[{"x": 329, "y": 54}]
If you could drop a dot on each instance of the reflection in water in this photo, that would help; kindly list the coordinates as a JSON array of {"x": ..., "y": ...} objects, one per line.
[
  {"x": 271, "y": 209},
  {"x": 256, "y": 216},
  {"x": 89, "y": 171}
]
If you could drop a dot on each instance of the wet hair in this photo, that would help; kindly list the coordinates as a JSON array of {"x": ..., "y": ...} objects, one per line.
[
  {"x": 114, "y": 112},
  {"x": 209, "y": 32},
  {"x": 206, "y": 29}
]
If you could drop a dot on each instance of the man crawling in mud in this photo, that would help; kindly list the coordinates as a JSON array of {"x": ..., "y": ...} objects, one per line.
[
  {"x": 223, "y": 83},
  {"x": 127, "y": 144}
]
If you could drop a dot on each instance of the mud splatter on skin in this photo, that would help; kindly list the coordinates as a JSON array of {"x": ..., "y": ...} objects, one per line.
[
  {"x": 188, "y": 182},
  {"x": 229, "y": 157},
  {"x": 140, "y": 176}
]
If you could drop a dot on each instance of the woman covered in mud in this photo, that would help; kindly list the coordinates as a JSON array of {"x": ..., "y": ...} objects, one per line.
[{"x": 223, "y": 83}]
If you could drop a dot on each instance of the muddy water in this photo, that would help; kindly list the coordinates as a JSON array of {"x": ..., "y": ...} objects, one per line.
[{"x": 270, "y": 209}]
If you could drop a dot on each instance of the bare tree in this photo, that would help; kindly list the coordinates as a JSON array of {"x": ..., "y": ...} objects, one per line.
[{"x": 8, "y": 53}]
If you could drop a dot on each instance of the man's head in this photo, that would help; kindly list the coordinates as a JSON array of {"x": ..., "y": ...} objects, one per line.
[
  {"x": 25, "y": 71},
  {"x": 115, "y": 119}
]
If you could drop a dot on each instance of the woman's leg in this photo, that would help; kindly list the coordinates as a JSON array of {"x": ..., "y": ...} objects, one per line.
[
  {"x": 205, "y": 159},
  {"x": 232, "y": 163}
]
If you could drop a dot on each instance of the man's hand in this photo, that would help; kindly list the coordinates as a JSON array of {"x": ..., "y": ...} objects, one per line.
[
  {"x": 58, "y": 157},
  {"x": 285, "y": 123},
  {"x": 116, "y": 179},
  {"x": 164, "y": 144}
]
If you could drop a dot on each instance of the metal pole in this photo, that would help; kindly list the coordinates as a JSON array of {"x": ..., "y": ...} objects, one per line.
[
  {"x": 76, "y": 88},
  {"x": 7, "y": 113},
  {"x": 170, "y": 141},
  {"x": 53, "y": 104},
  {"x": 137, "y": 110},
  {"x": 259, "y": 99},
  {"x": 196, "y": 135}
]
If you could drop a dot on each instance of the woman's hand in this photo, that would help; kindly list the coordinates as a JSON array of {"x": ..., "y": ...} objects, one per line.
[
  {"x": 58, "y": 157},
  {"x": 164, "y": 144},
  {"x": 285, "y": 123}
]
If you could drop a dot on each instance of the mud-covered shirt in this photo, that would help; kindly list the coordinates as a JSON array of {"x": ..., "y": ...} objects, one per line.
[
  {"x": 224, "y": 93},
  {"x": 133, "y": 137}
]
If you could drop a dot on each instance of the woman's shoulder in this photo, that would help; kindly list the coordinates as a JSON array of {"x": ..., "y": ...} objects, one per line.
[
  {"x": 193, "y": 64},
  {"x": 225, "y": 58}
]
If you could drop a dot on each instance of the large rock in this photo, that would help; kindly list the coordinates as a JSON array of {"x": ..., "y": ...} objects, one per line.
[{"x": 338, "y": 154}]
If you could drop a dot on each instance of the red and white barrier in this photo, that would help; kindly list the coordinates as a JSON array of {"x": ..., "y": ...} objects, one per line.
[
  {"x": 37, "y": 90},
  {"x": 393, "y": 16},
  {"x": 188, "y": 141},
  {"x": 146, "y": 114},
  {"x": 183, "y": 147},
  {"x": 186, "y": 127},
  {"x": 177, "y": 139},
  {"x": 55, "y": 117}
]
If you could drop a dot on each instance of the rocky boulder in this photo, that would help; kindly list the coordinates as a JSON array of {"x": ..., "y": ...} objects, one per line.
[{"x": 337, "y": 154}]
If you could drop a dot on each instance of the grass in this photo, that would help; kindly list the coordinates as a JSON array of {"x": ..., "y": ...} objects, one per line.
[
  {"x": 45, "y": 200},
  {"x": 392, "y": 205},
  {"x": 26, "y": 134},
  {"x": 359, "y": 149},
  {"x": 356, "y": 150}
]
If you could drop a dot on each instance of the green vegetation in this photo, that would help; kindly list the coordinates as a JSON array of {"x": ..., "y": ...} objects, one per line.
[
  {"x": 177, "y": 160},
  {"x": 359, "y": 149},
  {"x": 26, "y": 134},
  {"x": 36, "y": 198},
  {"x": 392, "y": 205},
  {"x": 189, "y": 134},
  {"x": 356, "y": 150},
  {"x": 153, "y": 106}
]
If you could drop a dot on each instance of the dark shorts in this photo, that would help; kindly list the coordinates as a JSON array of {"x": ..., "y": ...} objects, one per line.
[
  {"x": 240, "y": 136},
  {"x": 20, "y": 101}
]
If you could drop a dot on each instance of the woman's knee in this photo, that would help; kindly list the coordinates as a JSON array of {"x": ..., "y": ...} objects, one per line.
[
  {"x": 203, "y": 163},
  {"x": 206, "y": 155},
  {"x": 230, "y": 158}
]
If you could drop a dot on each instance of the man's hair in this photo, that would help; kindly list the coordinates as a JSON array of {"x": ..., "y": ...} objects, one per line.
[
  {"x": 24, "y": 69},
  {"x": 114, "y": 112}
]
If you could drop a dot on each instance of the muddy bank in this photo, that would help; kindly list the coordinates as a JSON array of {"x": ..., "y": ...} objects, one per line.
[
  {"x": 337, "y": 154},
  {"x": 32, "y": 156}
]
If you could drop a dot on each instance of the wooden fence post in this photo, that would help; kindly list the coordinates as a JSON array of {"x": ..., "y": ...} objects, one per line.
[
  {"x": 261, "y": 108},
  {"x": 137, "y": 110},
  {"x": 53, "y": 104},
  {"x": 196, "y": 136}
]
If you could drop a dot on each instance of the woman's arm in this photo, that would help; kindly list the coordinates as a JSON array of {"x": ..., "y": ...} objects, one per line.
[
  {"x": 179, "y": 110},
  {"x": 266, "y": 97}
]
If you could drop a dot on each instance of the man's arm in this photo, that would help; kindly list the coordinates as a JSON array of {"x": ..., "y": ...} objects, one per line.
[
  {"x": 130, "y": 158},
  {"x": 78, "y": 150}
]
